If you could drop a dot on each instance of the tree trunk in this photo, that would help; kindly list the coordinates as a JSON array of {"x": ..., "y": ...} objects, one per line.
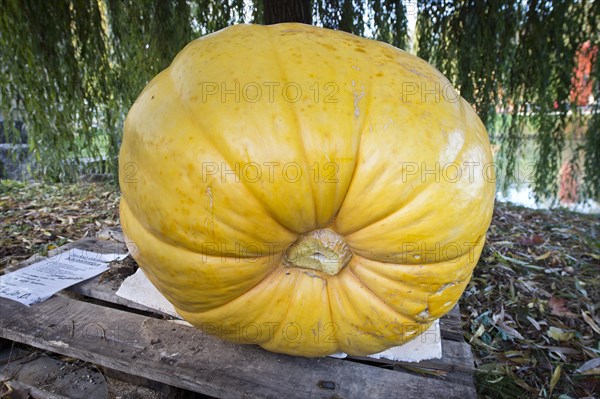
[{"x": 277, "y": 11}]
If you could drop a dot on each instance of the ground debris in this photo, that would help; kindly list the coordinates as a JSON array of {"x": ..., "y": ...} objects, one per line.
[
  {"x": 531, "y": 311},
  {"x": 38, "y": 217},
  {"x": 120, "y": 270}
]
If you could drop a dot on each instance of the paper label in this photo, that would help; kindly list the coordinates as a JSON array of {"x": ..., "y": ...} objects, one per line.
[{"x": 39, "y": 281}]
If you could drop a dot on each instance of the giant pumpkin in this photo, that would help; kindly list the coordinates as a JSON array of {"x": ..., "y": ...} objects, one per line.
[{"x": 305, "y": 189}]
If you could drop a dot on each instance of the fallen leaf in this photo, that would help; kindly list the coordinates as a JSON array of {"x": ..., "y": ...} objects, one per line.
[
  {"x": 544, "y": 256},
  {"x": 496, "y": 318},
  {"x": 590, "y": 321},
  {"x": 519, "y": 381},
  {"x": 591, "y": 367},
  {"x": 554, "y": 379},
  {"x": 558, "y": 307},
  {"x": 579, "y": 286},
  {"x": 559, "y": 334},
  {"x": 503, "y": 243},
  {"x": 563, "y": 349},
  {"x": 508, "y": 330},
  {"x": 534, "y": 323},
  {"x": 560, "y": 355},
  {"x": 479, "y": 332},
  {"x": 535, "y": 239}
]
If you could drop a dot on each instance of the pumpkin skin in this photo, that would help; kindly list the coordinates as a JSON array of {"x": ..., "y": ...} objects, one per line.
[{"x": 369, "y": 161}]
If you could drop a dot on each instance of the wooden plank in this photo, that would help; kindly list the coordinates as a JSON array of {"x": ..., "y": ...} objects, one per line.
[
  {"x": 451, "y": 325},
  {"x": 185, "y": 357},
  {"x": 456, "y": 364},
  {"x": 456, "y": 355},
  {"x": 454, "y": 314}
]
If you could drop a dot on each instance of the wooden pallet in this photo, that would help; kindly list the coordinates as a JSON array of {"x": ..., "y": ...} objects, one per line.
[{"x": 91, "y": 323}]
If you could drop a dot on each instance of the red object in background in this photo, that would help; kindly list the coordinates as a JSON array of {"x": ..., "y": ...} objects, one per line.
[
  {"x": 582, "y": 82},
  {"x": 567, "y": 193}
]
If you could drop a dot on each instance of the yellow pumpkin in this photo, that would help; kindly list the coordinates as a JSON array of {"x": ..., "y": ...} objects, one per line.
[{"x": 305, "y": 189}]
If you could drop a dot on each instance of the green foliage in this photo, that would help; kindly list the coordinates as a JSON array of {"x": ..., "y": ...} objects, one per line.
[
  {"x": 54, "y": 70},
  {"x": 390, "y": 22},
  {"x": 591, "y": 146},
  {"x": 514, "y": 61},
  {"x": 72, "y": 69}
]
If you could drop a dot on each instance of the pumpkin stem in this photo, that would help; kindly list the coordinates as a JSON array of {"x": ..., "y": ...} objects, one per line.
[{"x": 322, "y": 250}]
